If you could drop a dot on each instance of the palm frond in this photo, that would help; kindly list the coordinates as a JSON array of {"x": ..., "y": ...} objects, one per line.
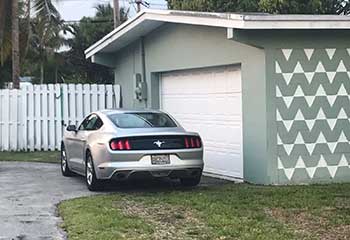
[{"x": 45, "y": 9}]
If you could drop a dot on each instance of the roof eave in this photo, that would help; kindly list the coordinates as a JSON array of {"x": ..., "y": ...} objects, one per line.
[
  {"x": 225, "y": 20},
  {"x": 122, "y": 28},
  {"x": 164, "y": 17}
]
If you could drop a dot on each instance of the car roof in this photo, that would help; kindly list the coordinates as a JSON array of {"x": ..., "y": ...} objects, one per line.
[{"x": 122, "y": 110}]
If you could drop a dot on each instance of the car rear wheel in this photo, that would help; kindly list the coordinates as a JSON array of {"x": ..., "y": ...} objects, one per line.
[
  {"x": 92, "y": 182},
  {"x": 190, "y": 182},
  {"x": 64, "y": 163}
]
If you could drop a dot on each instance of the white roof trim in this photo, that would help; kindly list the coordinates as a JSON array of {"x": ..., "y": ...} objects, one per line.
[
  {"x": 112, "y": 35},
  {"x": 225, "y": 20}
]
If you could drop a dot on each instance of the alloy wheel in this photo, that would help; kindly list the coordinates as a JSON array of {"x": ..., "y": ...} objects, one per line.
[
  {"x": 64, "y": 160},
  {"x": 89, "y": 171}
]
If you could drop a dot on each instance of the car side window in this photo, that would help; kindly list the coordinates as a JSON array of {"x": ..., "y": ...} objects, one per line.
[
  {"x": 98, "y": 124},
  {"x": 84, "y": 123},
  {"x": 92, "y": 122}
]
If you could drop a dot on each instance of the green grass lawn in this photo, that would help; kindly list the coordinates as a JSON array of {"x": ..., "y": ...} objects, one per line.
[
  {"x": 48, "y": 157},
  {"x": 229, "y": 211}
]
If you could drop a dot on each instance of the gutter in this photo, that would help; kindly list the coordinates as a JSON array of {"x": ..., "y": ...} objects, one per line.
[
  {"x": 108, "y": 37},
  {"x": 252, "y": 21}
]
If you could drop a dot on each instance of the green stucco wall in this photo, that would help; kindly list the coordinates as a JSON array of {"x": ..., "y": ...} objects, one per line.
[
  {"x": 127, "y": 63},
  {"x": 178, "y": 47}
]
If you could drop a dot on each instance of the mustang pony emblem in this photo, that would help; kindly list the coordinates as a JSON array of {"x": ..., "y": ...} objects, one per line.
[{"x": 159, "y": 143}]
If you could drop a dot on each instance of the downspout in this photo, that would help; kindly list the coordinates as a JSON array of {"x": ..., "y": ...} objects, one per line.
[{"x": 143, "y": 64}]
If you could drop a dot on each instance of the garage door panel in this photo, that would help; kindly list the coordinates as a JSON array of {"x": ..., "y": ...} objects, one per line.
[
  {"x": 217, "y": 163},
  {"x": 218, "y": 105},
  {"x": 209, "y": 101},
  {"x": 202, "y": 81}
]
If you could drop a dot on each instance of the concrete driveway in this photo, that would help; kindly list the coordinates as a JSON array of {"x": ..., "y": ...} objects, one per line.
[{"x": 29, "y": 193}]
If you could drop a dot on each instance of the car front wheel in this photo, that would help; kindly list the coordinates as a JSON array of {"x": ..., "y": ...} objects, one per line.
[
  {"x": 92, "y": 182},
  {"x": 64, "y": 163}
]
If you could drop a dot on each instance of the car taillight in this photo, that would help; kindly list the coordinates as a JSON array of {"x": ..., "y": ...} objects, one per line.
[
  {"x": 193, "y": 142},
  {"x": 120, "y": 144}
]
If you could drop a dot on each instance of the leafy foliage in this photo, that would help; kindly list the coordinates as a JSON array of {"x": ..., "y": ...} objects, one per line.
[
  {"x": 267, "y": 6},
  {"x": 39, "y": 25},
  {"x": 42, "y": 36},
  {"x": 45, "y": 35},
  {"x": 5, "y": 30},
  {"x": 87, "y": 32}
]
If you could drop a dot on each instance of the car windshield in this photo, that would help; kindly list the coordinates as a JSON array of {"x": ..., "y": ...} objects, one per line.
[{"x": 142, "y": 120}]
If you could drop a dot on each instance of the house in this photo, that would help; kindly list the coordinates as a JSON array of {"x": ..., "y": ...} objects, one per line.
[{"x": 269, "y": 94}]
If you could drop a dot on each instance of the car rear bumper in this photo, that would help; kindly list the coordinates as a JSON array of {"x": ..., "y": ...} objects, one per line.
[
  {"x": 121, "y": 175},
  {"x": 120, "y": 170}
]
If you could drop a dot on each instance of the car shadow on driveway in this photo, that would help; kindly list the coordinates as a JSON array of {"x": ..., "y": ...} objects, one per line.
[{"x": 157, "y": 185}]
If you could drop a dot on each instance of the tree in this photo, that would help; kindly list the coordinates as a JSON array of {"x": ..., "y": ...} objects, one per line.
[
  {"x": 88, "y": 31},
  {"x": 45, "y": 36},
  {"x": 214, "y": 5},
  {"x": 15, "y": 44},
  {"x": 305, "y": 7},
  {"x": 5, "y": 33},
  {"x": 5, "y": 42},
  {"x": 11, "y": 17},
  {"x": 267, "y": 6}
]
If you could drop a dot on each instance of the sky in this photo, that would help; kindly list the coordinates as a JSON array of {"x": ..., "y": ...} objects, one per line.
[{"x": 74, "y": 10}]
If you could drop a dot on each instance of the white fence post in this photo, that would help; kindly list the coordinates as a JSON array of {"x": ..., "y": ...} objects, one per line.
[
  {"x": 101, "y": 97},
  {"x": 32, "y": 118},
  {"x": 87, "y": 99},
  {"x": 109, "y": 96},
  {"x": 79, "y": 103},
  {"x": 44, "y": 118},
  {"x": 13, "y": 110},
  {"x": 58, "y": 115},
  {"x": 65, "y": 108},
  {"x": 24, "y": 119},
  {"x": 6, "y": 120},
  {"x": 94, "y": 98},
  {"x": 37, "y": 116},
  {"x": 116, "y": 96},
  {"x": 31, "y": 122},
  {"x": 51, "y": 113}
]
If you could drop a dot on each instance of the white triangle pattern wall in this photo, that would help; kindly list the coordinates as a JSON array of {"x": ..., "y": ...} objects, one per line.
[{"x": 296, "y": 106}]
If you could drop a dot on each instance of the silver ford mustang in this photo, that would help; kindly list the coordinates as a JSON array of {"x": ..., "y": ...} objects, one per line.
[{"x": 126, "y": 144}]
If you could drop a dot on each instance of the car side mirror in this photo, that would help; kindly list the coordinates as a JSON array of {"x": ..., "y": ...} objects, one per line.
[{"x": 72, "y": 128}]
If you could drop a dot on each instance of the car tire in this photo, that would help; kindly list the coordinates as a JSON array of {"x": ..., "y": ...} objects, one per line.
[
  {"x": 190, "y": 182},
  {"x": 93, "y": 184},
  {"x": 64, "y": 163}
]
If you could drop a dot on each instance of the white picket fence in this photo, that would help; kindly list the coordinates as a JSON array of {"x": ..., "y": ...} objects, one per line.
[{"x": 33, "y": 118}]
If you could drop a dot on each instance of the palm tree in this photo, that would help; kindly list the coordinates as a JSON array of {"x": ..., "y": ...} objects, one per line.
[
  {"x": 15, "y": 44},
  {"x": 46, "y": 37},
  {"x": 46, "y": 40},
  {"x": 42, "y": 8},
  {"x": 5, "y": 34}
]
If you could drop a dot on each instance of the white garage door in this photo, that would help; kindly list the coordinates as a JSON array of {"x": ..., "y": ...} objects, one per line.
[{"x": 209, "y": 101}]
